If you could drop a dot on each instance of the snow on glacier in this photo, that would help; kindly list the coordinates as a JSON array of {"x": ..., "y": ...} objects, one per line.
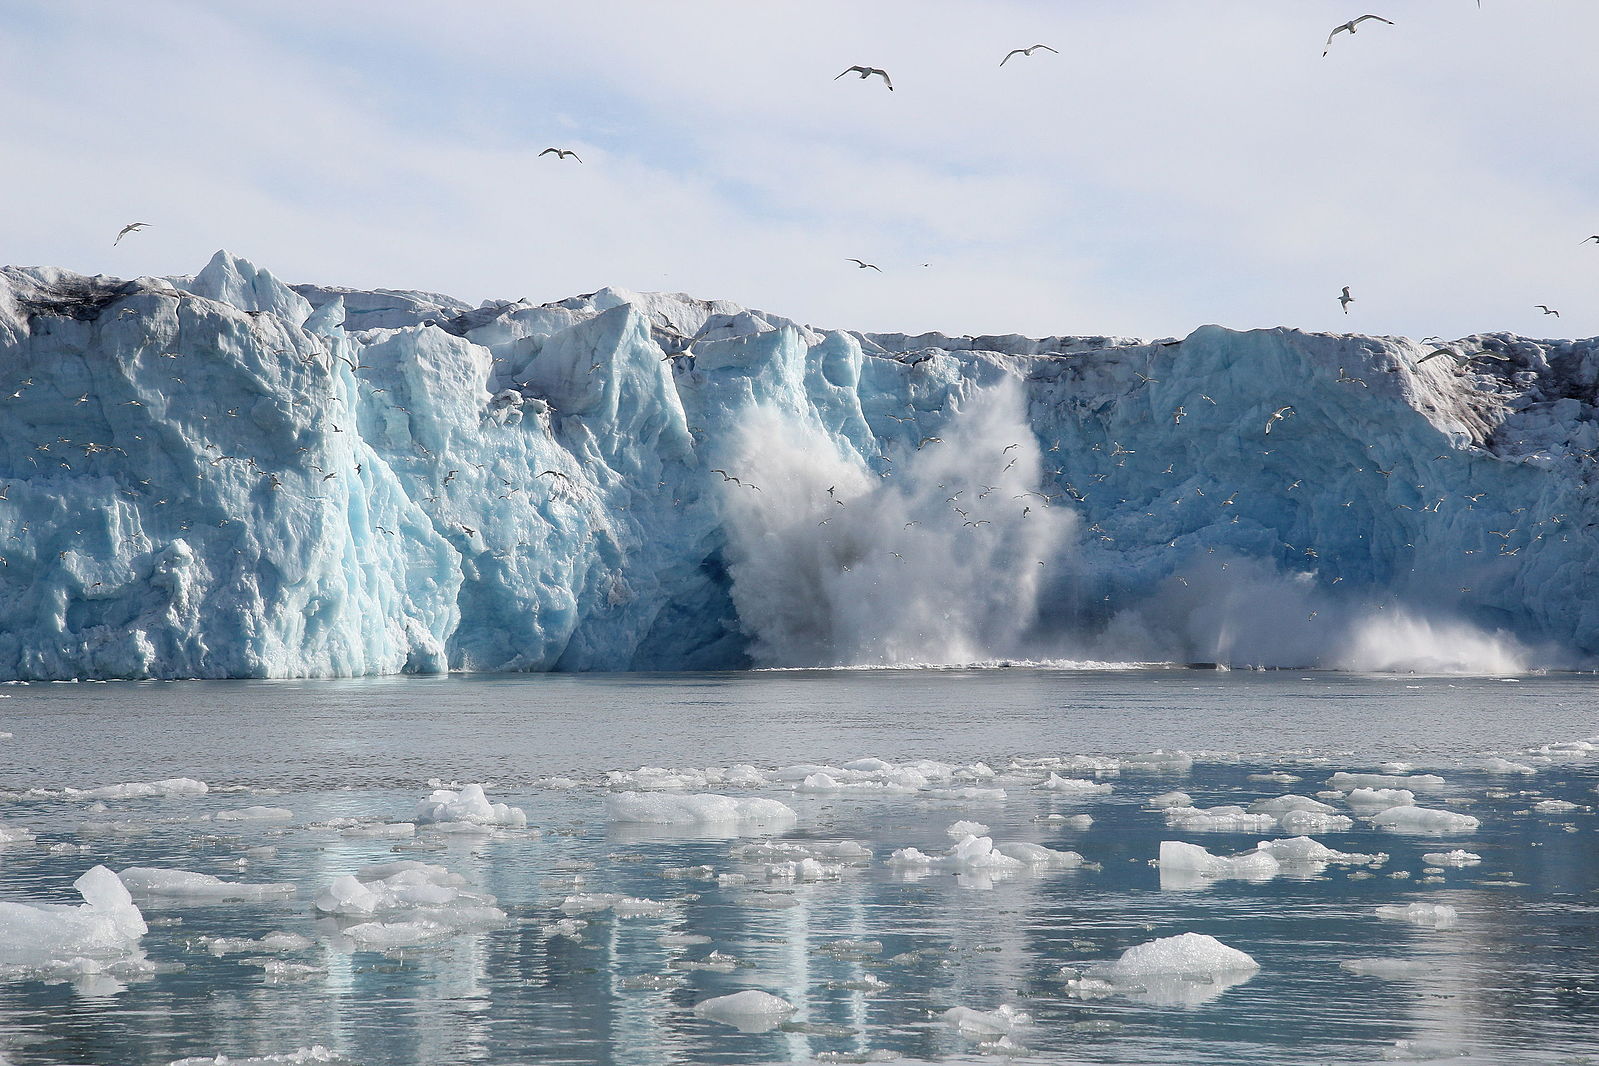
[{"x": 223, "y": 475}]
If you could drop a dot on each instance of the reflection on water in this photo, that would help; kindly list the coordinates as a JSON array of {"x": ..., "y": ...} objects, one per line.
[{"x": 870, "y": 954}]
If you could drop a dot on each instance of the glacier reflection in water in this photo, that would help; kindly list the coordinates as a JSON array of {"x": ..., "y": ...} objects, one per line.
[{"x": 874, "y": 953}]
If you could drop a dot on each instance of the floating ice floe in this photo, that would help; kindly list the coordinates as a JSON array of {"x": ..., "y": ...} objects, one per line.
[
  {"x": 1000, "y": 1020},
  {"x": 980, "y": 853},
  {"x": 803, "y": 870},
  {"x": 699, "y": 810},
  {"x": 169, "y": 788},
  {"x": 1074, "y": 786},
  {"x": 256, "y": 814},
  {"x": 470, "y": 806},
  {"x": 1184, "y": 865},
  {"x": 963, "y": 828},
  {"x": 15, "y": 834},
  {"x": 1555, "y": 806},
  {"x": 749, "y": 1011},
  {"x": 619, "y": 905},
  {"x": 99, "y": 935},
  {"x": 273, "y": 943},
  {"x": 1187, "y": 969},
  {"x": 1458, "y": 857},
  {"x": 1496, "y": 765},
  {"x": 838, "y": 851},
  {"x": 1228, "y": 819},
  {"x": 1170, "y": 799},
  {"x": 1435, "y": 915},
  {"x": 1415, "y": 782},
  {"x": 1159, "y": 761},
  {"x": 1302, "y": 850},
  {"x": 418, "y": 899},
  {"x": 1392, "y": 969},
  {"x": 149, "y": 884},
  {"x": 570, "y": 928},
  {"x": 316, "y": 1053},
  {"x": 1380, "y": 799},
  {"x": 1424, "y": 820}
]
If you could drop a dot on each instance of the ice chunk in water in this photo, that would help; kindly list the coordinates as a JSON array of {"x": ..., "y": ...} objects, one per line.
[
  {"x": 1391, "y": 969},
  {"x": 316, "y": 1053},
  {"x": 469, "y": 805},
  {"x": 106, "y": 926},
  {"x": 1381, "y": 798},
  {"x": 1551, "y": 806},
  {"x": 277, "y": 943},
  {"x": 1421, "y": 782},
  {"x": 15, "y": 834},
  {"x": 1219, "y": 820},
  {"x": 1302, "y": 849},
  {"x": 958, "y": 830},
  {"x": 1190, "y": 968},
  {"x": 1002, "y": 1019},
  {"x": 749, "y": 1011},
  {"x": 1171, "y": 799},
  {"x": 1164, "y": 761},
  {"x": 1074, "y": 786},
  {"x": 150, "y": 883},
  {"x": 1424, "y": 820},
  {"x": 256, "y": 814},
  {"x": 1458, "y": 857},
  {"x": 173, "y": 786},
  {"x": 1040, "y": 857},
  {"x": 700, "y": 809},
  {"x": 1437, "y": 915},
  {"x": 1495, "y": 765},
  {"x": 1184, "y": 865}
]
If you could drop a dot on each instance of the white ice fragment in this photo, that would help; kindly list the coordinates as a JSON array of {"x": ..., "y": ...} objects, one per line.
[
  {"x": 1170, "y": 799},
  {"x": 256, "y": 814},
  {"x": 702, "y": 809},
  {"x": 15, "y": 834},
  {"x": 1229, "y": 819},
  {"x": 1281, "y": 805},
  {"x": 963, "y": 828},
  {"x": 749, "y": 1011},
  {"x": 803, "y": 870},
  {"x": 1190, "y": 968},
  {"x": 1424, "y": 820},
  {"x": 571, "y": 928},
  {"x": 1391, "y": 969},
  {"x": 105, "y": 927},
  {"x": 1039, "y": 857},
  {"x": 388, "y": 936},
  {"x": 1302, "y": 849},
  {"x": 1075, "y": 786},
  {"x": 276, "y": 943},
  {"x": 316, "y": 1053},
  {"x": 1381, "y": 799},
  {"x": 1167, "y": 761},
  {"x": 1553, "y": 806},
  {"x": 149, "y": 883},
  {"x": 168, "y": 788},
  {"x": 1415, "y": 782},
  {"x": 1437, "y": 915},
  {"x": 1457, "y": 857},
  {"x": 1496, "y": 765},
  {"x": 1183, "y": 865},
  {"x": 469, "y": 805},
  {"x": 1002, "y": 1019}
]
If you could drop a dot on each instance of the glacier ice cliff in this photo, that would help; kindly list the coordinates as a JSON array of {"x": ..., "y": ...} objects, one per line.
[{"x": 227, "y": 476}]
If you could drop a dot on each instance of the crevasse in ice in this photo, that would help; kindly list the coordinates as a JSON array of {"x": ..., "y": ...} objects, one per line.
[{"x": 224, "y": 475}]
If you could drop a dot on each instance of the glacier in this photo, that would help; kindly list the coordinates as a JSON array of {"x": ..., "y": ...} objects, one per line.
[{"x": 224, "y": 475}]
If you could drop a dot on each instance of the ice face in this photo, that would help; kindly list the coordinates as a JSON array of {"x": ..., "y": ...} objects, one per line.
[{"x": 223, "y": 475}]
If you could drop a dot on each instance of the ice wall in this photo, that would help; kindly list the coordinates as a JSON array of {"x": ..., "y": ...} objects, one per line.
[{"x": 222, "y": 475}]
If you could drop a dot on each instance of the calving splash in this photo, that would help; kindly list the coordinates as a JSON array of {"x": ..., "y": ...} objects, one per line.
[
  {"x": 928, "y": 553},
  {"x": 223, "y": 475}
]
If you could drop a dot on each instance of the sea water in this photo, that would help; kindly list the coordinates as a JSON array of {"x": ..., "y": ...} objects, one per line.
[{"x": 587, "y": 936}]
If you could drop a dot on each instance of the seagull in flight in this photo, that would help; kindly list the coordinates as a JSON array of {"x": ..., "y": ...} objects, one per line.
[
  {"x": 131, "y": 227},
  {"x": 1278, "y": 415},
  {"x": 1594, "y": 238},
  {"x": 867, "y": 72},
  {"x": 560, "y": 153},
  {"x": 1025, "y": 52},
  {"x": 865, "y": 265},
  {"x": 1345, "y": 300},
  {"x": 1349, "y": 27},
  {"x": 1547, "y": 310}
]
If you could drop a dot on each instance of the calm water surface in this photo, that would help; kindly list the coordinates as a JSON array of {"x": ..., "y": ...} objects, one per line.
[{"x": 1514, "y": 981}]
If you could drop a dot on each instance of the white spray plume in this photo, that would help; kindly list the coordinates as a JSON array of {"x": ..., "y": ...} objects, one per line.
[{"x": 887, "y": 570}]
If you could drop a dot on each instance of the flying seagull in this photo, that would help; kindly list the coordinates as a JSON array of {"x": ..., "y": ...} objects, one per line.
[
  {"x": 131, "y": 227},
  {"x": 1350, "y": 28},
  {"x": 1025, "y": 52},
  {"x": 867, "y": 72},
  {"x": 1278, "y": 415},
  {"x": 1546, "y": 310},
  {"x": 1345, "y": 300},
  {"x": 1594, "y": 238},
  {"x": 561, "y": 153},
  {"x": 864, "y": 265}
]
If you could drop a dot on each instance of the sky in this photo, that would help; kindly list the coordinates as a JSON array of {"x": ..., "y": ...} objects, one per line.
[{"x": 1179, "y": 162}]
